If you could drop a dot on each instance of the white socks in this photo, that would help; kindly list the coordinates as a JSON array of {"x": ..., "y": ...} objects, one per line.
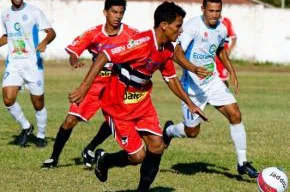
[
  {"x": 17, "y": 113},
  {"x": 41, "y": 119},
  {"x": 238, "y": 135},
  {"x": 176, "y": 130}
]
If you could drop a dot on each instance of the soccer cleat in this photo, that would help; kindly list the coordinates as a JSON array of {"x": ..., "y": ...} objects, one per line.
[
  {"x": 248, "y": 169},
  {"x": 49, "y": 163},
  {"x": 101, "y": 170},
  {"x": 23, "y": 137},
  {"x": 166, "y": 138},
  {"x": 88, "y": 157},
  {"x": 41, "y": 142}
]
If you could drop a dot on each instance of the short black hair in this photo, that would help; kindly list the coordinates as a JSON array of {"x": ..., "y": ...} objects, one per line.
[
  {"x": 167, "y": 11},
  {"x": 110, "y": 3},
  {"x": 204, "y": 3}
]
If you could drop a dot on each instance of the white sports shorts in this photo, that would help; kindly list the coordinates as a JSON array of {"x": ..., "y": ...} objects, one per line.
[
  {"x": 31, "y": 78},
  {"x": 218, "y": 94}
]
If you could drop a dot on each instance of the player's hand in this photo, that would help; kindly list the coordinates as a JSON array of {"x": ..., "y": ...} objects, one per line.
[
  {"x": 78, "y": 94},
  {"x": 41, "y": 47},
  {"x": 235, "y": 83},
  {"x": 75, "y": 63},
  {"x": 202, "y": 72},
  {"x": 195, "y": 109}
]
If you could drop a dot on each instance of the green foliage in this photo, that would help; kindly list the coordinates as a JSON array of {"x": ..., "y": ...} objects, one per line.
[
  {"x": 204, "y": 164},
  {"x": 277, "y": 3}
]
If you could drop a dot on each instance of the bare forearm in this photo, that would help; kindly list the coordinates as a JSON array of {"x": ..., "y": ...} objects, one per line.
[
  {"x": 3, "y": 40},
  {"x": 176, "y": 87},
  {"x": 226, "y": 61},
  {"x": 181, "y": 60},
  {"x": 50, "y": 36},
  {"x": 95, "y": 68}
]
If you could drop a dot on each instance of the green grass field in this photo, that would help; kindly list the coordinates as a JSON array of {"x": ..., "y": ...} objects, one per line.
[{"x": 205, "y": 164}]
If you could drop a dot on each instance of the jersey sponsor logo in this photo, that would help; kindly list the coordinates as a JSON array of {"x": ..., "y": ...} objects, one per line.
[
  {"x": 119, "y": 49},
  {"x": 212, "y": 49},
  {"x": 134, "y": 97},
  {"x": 201, "y": 56},
  {"x": 105, "y": 73},
  {"x": 19, "y": 31},
  {"x": 24, "y": 17},
  {"x": 124, "y": 141},
  {"x": 133, "y": 43}
]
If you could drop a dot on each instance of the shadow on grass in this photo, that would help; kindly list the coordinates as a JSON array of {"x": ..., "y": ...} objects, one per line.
[
  {"x": 201, "y": 167},
  {"x": 154, "y": 189},
  {"x": 31, "y": 139}
]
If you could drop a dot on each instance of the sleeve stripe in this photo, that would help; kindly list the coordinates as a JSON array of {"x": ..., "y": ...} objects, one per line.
[{"x": 71, "y": 51}]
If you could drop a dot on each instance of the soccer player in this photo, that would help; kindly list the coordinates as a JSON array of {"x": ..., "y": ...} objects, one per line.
[
  {"x": 202, "y": 39},
  {"x": 95, "y": 40},
  {"x": 229, "y": 45},
  {"x": 21, "y": 24},
  {"x": 126, "y": 100}
]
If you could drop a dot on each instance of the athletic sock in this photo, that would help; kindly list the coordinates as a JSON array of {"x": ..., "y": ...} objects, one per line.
[
  {"x": 100, "y": 137},
  {"x": 17, "y": 113},
  {"x": 118, "y": 159},
  {"x": 41, "y": 119},
  {"x": 61, "y": 138},
  {"x": 148, "y": 170},
  {"x": 176, "y": 130},
  {"x": 238, "y": 135}
]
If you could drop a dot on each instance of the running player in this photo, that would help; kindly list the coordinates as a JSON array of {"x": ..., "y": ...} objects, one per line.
[
  {"x": 21, "y": 24},
  {"x": 103, "y": 36},
  {"x": 126, "y": 100},
  {"x": 202, "y": 39},
  {"x": 229, "y": 45}
]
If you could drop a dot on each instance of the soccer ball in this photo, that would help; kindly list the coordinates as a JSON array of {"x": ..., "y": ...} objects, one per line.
[{"x": 272, "y": 179}]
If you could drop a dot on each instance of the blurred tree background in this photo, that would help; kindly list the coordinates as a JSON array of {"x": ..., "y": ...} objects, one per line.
[{"x": 277, "y": 3}]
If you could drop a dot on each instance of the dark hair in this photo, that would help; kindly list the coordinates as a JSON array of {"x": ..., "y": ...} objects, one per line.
[
  {"x": 204, "y": 3},
  {"x": 110, "y": 3},
  {"x": 167, "y": 11}
]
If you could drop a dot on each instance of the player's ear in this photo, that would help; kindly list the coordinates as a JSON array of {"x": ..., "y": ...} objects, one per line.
[
  {"x": 163, "y": 25},
  {"x": 105, "y": 12}
]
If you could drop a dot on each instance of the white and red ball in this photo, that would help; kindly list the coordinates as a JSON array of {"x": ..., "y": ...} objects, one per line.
[{"x": 272, "y": 179}]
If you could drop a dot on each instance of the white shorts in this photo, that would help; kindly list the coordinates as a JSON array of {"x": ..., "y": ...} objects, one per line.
[
  {"x": 32, "y": 78},
  {"x": 218, "y": 94}
]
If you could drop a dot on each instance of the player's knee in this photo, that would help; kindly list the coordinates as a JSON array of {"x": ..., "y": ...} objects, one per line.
[
  {"x": 192, "y": 132},
  {"x": 236, "y": 117},
  {"x": 157, "y": 146},
  {"x": 70, "y": 122},
  {"x": 8, "y": 101},
  {"x": 137, "y": 157}
]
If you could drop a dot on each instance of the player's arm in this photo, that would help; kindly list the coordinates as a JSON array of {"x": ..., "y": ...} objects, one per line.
[
  {"x": 74, "y": 61},
  {"x": 50, "y": 35},
  {"x": 176, "y": 88},
  {"x": 223, "y": 56},
  {"x": 3, "y": 40},
  {"x": 181, "y": 60},
  {"x": 232, "y": 45},
  {"x": 79, "y": 93}
]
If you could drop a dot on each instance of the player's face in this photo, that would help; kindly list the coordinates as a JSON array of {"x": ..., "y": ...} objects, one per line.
[
  {"x": 114, "y": 16},
  {"x": 212, "y": 13},
  {"x": 174, "y": 29},
  {"x": 17, "y": 3}
]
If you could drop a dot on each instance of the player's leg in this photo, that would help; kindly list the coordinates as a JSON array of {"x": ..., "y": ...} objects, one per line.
[
  {"x": 103, "y": 133},
  {"x": 225, "y": 102},
  {"x": 62, "y": 137},
  {"x": 133, "y": 150},
  {"x": 151, "y": 132},
  {"x": 41, "y": 118},
  {"x": 190, "y": 127},
  {"x": 12, "y": 82},
  {"x": 150, "y": 165}
]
